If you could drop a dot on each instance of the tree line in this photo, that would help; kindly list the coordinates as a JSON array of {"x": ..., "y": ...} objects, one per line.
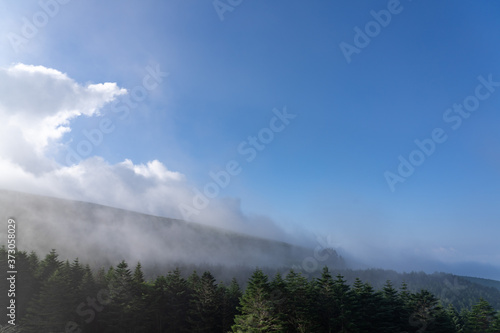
[{"x": 59, "y": 296}]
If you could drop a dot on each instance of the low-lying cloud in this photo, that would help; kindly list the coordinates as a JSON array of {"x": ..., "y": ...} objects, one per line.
[{"x": 37, "y": 107}]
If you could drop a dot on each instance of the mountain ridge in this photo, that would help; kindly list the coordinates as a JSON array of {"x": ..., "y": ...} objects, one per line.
[
  {"x": 95, "y": 232},
  {"x": 102, "y": 236}
]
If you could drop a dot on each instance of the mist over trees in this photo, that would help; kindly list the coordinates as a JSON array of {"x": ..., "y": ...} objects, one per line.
[
  {"x": 102, "y": 236},
  {"x": 62, "y": 296}
]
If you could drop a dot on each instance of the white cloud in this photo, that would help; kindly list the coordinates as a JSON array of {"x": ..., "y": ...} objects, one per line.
[
  {"x": 154, "y": 169},
  {"x": 40, "y": 102},
  {"x": 37, "y": 105}
]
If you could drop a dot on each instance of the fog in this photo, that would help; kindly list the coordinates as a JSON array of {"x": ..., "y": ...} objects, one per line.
[
  {"x": 101, "y": 235},
  {"x": 37, "y": 127}
]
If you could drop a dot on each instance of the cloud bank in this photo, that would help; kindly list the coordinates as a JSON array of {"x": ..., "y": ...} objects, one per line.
[{"x": 37, "y": 107}]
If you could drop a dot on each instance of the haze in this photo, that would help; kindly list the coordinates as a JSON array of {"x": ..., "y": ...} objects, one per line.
[{"x": 374, "y": 124}]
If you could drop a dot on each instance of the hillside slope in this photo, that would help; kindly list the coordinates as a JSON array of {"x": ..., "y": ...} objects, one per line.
[
  {"x": 484, "y": 282},
  {"x": 103, "y": 235}
]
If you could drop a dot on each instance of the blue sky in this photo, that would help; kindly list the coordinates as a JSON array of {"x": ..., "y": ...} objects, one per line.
[{"x": 325, "y": 172}]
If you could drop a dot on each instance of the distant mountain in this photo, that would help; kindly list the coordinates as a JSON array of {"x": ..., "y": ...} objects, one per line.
[
  {"x": 460, "y": 291},
  {"x": 103, "y": 235},
  {"x": 484, "y": 282}
]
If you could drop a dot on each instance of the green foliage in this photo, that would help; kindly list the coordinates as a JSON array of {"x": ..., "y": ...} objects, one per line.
[
  {"x": 297, "y": 301},
  {"x": 52, "y": 307},
  {"x": 170, "y": 298},
  {"x": 257, "y": 307},
  {"x": 482, "y": 319},
  {"x": 324, "y": 290},
  {"x": 205, "y": 314},
  {"x": 366, "y": 306},
  {"x": 62, "y": 296},
  {"x": 230, "y": 301}
]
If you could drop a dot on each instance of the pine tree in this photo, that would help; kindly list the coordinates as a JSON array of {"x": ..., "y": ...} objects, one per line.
[
  {"x": 406, "y": 307},
  {"x": 443, "y": 322},
  {"x": 298, "y": 303},
  {"x": 230, "y": 302},
  {"x": 171, "y": 299},
  {"x": 118, "y": 314},
  {"x": 279, "y": 297},
  {"x": 101, "y": 278},
  {"x": 54, "y": 306},
  {"x": 423, "y": 305},
  {"x": 193, "y": 280},
  {"x": 206, "y": 306},
  {"x": 496, "y": 323},
  {"x": 139, "y": 313},
  {"x": 138, "y": 276},
  {"x": 76, "y": 273},
  {"x": 89, "y": 289},
  {"x": 457, "y": 321},
  {"x": 48, "y": 266},
  {"x": 481, "y": 318},
  {"x": 325, "y": 305},
  {"x": 366, "y": 308},
  {"x": 344, "y": 304},
  {"x": 157, "y": 303},
  {"x": 27, "y": 286},
  {"x": 391, "y": 311},
  {"x": 465, "y": 314},
  {"x": 257, "y": 311}
]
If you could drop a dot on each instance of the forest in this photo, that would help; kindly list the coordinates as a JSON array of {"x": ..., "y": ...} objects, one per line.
[{"x": 53, "y": 295}]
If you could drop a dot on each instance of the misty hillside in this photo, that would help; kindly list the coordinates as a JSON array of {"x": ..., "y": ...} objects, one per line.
[
  {"x": 103, "y": 235},
  {"x": 484, "y": 282}
]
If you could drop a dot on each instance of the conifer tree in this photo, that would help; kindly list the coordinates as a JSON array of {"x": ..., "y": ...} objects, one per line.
[
  {"x": 48, "y": 266},
  {"x": 157, "y": 300},
  {"x": 406, "y": 307},
  {"x": 257, "y": 310},
  {"x": 193, "y": 280},
  {"x": 230, "y": 302},
  {"x": 26, "y": 283},
  {"x": 206, "y": 306},
  {"x": 173, "y": 299},
  {"x": 443, "y": 322},
  {"x": 391, "y": 311},
  {"x": 457, "y": 321},
  {"x": 279, "y": 297},
  {"x": 366, "y": 309},
  {"x": 344, "y": 320},
  {"x": 118, "y": 314},
  {"x": 53, "y": 307},
  {"x": 423, "y": 310},
  {"x": 138, "y": 276},
  {"x": 496, "y": 323},
  {"x": 76, "y": 273},
  {"x": 482, "y": 318},
  {"x": 325, "y": 305},
  {"x": 140, "y": 314},
  {"x": 298, "y": 303}
]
